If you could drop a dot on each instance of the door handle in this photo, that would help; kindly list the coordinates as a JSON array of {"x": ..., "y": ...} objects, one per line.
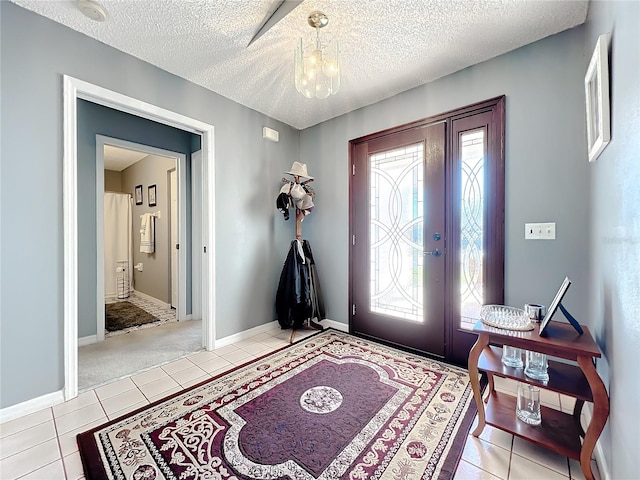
[{"x": 435, "y": 253}]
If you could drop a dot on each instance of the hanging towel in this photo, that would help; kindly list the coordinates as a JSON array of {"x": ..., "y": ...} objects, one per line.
[{"x": 147, "y": 233}]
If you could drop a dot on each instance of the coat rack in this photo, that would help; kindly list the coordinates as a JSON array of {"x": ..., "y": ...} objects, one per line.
[{"x": 298, "y": 171}]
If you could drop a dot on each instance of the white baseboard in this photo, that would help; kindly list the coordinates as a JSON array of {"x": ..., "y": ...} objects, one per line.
[
  {"x": 603, "y": 467},
  {"x": 151, "y": 299},
  {"x": 87, "y": 340},
  {"x": 31, "y": 406},
  {"x": 343, "y": 327},
  {"x": 236, "y": 337},
  {"x": 113, "y": 297}
]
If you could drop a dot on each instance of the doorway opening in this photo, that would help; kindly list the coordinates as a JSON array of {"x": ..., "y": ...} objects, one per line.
[
  {"x": 132, "y": 298},
  {"x": 74, "y": 90},
  {"x": 427, "y": 230},
  {"x": 154, "y": 276}
]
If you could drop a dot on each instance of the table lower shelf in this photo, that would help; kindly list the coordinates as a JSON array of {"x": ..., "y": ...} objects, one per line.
[
  {"x": 563, "y": 378},
  {"x": 558, "y": 431}
]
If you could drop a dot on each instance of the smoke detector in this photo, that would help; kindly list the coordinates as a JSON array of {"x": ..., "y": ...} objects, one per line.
[{"x": 93, "y": 10}]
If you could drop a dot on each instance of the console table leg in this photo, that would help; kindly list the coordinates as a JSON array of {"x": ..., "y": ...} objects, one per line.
[
  {"x": 600, "y": 414},
  {"x": 474, "y": 355},
  {"x": 490, "y": 387},
  {"x": 577, "y": 413}
]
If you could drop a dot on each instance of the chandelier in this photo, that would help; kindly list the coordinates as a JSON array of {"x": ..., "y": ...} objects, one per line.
[{"x": 317, "y": 68}]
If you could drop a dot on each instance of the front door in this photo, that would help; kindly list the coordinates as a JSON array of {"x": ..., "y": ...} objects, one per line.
[
  {"x": 398, "y": 219},
  {"x": 427, "y": 230}
]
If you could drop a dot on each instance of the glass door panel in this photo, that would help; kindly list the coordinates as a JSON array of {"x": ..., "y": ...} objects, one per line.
[
  {"x": 395, "y": 232},
  {"x": 472, "y": 158}
]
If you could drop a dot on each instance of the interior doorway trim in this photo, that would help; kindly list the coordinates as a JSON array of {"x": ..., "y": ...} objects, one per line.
[
  {"x": 181, "y": 167},
  {"x": 74, "y": 89}
]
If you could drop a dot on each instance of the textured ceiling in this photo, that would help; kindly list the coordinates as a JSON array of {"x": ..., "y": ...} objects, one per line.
[
  {"x": 117, "y": 158},
  {"x": 388, "y": 46}
]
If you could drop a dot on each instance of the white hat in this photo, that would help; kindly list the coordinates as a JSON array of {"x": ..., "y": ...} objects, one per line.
[{"x": 299, "y": 169}]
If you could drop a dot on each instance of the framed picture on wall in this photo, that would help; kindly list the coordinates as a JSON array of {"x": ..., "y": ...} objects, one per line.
[
  {"x": 596, "y": 89},
  {"x": 152, "y": 195},
  {"x": 137, "y": 195}
]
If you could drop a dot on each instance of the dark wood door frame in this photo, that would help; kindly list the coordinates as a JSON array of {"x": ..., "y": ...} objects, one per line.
[{"x": 494, "y": 221}]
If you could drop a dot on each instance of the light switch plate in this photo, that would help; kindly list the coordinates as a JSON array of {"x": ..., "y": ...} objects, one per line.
[{"x": 540, "y": 231}]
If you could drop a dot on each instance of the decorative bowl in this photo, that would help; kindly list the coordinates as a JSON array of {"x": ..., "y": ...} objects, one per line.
[{"x": 508, "y": 318}]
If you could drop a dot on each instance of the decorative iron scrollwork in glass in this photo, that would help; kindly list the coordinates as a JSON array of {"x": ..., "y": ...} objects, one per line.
[
  {"x": 472, "y": 226},
  {"x": 395, "y": 232}
]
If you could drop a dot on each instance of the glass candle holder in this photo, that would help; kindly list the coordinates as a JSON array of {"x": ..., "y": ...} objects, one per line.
[
  {"x": 528, "y": 405},
  {"x": 536, "y": 366},
  {"x": 535, "y": 312}
]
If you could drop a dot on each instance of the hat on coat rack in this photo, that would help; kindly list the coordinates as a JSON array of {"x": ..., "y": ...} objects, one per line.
[{"x": 299, "y": 170}]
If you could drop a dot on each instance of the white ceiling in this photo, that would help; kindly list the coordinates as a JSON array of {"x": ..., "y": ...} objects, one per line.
[
  {"x": 117, "y": 159},
  {"x": 388, "y": 46}
]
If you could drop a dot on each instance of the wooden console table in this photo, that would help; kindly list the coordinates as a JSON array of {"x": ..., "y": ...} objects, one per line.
[{"x": 559, "y": 431}]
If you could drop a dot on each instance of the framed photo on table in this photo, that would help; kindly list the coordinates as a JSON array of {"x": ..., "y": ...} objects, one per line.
[
  {"x": 152, "y": 195},
  {"x": 596, "y": 89},
  {"x": 137, "y": 195},
  {"x": 555, "y": 303}
]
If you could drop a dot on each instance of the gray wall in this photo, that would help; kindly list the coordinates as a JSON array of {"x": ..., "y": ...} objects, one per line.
[
  {"x": 614, "y": 289},
  {"x": 545, "y": 148},
  {"x": 94, "y": 119},
  {"x": 155, "y": 279},
  {"x": 112, "y": 181},
  {"x": 251, "y": 240},
  {"x": 546, "y": 173}
]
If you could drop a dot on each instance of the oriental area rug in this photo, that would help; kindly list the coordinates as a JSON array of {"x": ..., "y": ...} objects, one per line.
[
  {"x": 332, "y": 406},
  {"x": 121, "y": 315}
]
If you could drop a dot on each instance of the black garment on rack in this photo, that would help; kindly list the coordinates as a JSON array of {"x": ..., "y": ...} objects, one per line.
[
  {"x": 317, "y": 302},
  {"x": 298, "y": 297}
]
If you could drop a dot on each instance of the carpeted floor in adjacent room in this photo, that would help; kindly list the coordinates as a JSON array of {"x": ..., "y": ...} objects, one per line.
[{"x": 136, "y": 351}]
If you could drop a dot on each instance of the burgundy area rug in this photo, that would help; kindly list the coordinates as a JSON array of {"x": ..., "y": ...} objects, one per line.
[{"x": 331, "y": 406}]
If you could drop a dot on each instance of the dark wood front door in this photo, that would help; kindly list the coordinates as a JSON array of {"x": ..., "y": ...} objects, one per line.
[
  {"x": 399, "y": 221},
  {"x": 427, "y": 230}
]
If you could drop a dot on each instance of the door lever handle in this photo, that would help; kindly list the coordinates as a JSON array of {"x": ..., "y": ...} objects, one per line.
[{"x": 435, "y": 253}]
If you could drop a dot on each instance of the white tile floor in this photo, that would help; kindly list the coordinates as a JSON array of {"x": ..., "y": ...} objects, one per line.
[{"x": 42, "y": 446}]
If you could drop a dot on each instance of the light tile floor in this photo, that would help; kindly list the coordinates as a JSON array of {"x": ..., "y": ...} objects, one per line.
[{"x": 42, "y": 446}]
